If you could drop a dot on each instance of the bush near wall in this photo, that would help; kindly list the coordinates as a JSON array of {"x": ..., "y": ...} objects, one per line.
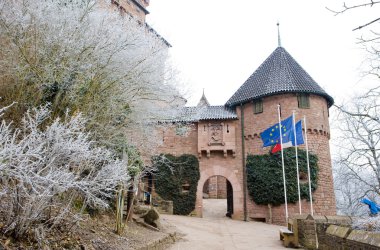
[
  {"x": 265, "y": 181},
  {"x": 176, "y": 180}
]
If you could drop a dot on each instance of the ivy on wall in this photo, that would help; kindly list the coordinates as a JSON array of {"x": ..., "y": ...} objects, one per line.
[
  {"x": 265, "y": 181},
  {"x": 176, "y": 180}
]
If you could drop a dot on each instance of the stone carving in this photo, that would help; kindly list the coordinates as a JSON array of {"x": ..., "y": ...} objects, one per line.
[{"x": 215, "y": 131}]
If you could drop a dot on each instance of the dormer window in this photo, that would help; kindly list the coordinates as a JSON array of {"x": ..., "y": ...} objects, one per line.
[
  {"x": 258, "y": 106},
  {"x": 303, "y": 101}
]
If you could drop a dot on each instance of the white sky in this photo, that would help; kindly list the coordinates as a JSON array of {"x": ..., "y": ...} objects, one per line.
[{"x": 218, "y": 44}]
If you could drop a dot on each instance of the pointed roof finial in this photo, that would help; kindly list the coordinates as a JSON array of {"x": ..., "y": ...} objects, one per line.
[
  {"x": 278, "y": 31},
  {"x": 203, "y": 101}
]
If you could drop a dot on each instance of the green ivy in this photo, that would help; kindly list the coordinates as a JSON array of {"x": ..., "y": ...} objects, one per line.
[
  {"x": 173, "y": 172},
  {"x": 265, "y": 181}
]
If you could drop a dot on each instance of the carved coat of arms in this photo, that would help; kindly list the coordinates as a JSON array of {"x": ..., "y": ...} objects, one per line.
[{"x": 215, "y": 134}]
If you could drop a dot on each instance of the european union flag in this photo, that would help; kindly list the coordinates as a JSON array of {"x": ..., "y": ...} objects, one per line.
[
  {"x": 271, "y": 136},
  {"x": 292, "y": 140},
  {"x": 299, "y": 135}
]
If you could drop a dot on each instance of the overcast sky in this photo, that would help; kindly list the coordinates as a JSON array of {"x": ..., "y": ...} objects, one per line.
[{"x": 218, "y": 44}]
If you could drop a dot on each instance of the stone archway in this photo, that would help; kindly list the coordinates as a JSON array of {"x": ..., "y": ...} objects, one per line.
[
  {"x": 217, "y": 197},
  {"x": 233, "y": 179}
]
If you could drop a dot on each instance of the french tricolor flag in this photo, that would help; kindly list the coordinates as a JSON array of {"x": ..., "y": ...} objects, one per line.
[{"x": 294, "y": 140}]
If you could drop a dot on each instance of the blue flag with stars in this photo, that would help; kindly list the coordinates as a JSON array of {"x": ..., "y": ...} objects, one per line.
[{"x": 271, "y": 136}]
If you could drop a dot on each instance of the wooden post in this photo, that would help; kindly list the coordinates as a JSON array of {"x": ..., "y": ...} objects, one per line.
[
  {"x": 270, "y": 213},
  {"x": 120, "y": 210},
  {"x": 130, "y": 201}
]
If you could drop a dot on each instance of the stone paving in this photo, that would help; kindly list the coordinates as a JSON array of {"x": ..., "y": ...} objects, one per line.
[{"x": 216, "y": 232}]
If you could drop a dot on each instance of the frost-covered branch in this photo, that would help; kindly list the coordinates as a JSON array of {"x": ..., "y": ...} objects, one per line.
[
  {"x": 358, "y": 160},
  {"x": 45, "y": 168},
  {"x": 82, "y": 56}
]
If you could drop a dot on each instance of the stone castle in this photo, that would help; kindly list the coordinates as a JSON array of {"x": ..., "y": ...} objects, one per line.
[{"x": 222, "y": 136}]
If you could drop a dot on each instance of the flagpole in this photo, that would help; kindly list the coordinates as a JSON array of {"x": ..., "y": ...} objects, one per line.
[
  {"x": 308, "y": 167},
  {"x": 283, "y": 164},
  {"x": 298, "y": 173}
]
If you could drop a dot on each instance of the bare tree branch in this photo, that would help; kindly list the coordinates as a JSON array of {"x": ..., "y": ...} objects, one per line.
[
  {"x": 367, "y": 24},
  {"x": 345, "y": 8}
]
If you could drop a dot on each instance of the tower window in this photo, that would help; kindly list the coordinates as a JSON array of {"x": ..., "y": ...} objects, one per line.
[
  {"x": 185, "y": 187},
  {"x": 303, "y": 101},
  {"x": 258, "y": 106}
]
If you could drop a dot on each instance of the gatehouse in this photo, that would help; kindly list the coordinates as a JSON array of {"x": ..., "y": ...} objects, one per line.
[{"x": 222, "y": 136}]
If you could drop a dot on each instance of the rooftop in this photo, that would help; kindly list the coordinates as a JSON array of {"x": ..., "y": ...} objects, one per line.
[
  {"x": 279, "y": 73},
  {"x": 204, "y": 111},
  {"x": 195, "y": 114}
]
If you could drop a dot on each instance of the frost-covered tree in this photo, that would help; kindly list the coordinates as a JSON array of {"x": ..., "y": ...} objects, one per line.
[
  {"x": 357, "y": 167},
  {"x": 358, "y": 161},
  {"x": 46, "y": 167},
  {"x": 83, "y": 56},
  {"x": 348, "y": 192}
]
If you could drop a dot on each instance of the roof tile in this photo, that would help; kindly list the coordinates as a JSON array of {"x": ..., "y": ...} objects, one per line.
[
  {"x": 279, "y": 73},
  {"x": 194, "y": 114}
]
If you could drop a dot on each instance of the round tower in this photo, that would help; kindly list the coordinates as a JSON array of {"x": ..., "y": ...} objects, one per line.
[{"x": 280, "y": 80}]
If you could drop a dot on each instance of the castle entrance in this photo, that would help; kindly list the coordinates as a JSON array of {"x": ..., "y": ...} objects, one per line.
[
  {"x": 223, "y": 199},
  {"x": 217, "y": 197}
]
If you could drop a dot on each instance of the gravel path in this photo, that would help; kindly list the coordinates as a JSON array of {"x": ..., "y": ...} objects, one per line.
[{"x": 216, "y": 232}]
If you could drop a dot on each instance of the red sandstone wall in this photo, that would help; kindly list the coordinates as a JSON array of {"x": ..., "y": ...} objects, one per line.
[
  {"x": 130, "y": 8},
  {"x": 216, "y": 187},
  {"x": 227, "y": 136},
  {"x": 175, "y": 144},
  {"x": 318, "y": 138},
  {"x": 127, "y": 7},
  {"x": 216, "y": 164},
  {"x": 222, "y": 187}
]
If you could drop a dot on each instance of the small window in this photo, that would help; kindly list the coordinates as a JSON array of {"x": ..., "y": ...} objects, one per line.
[
  {"x": 304, "y": 177},
  {"x": 185, "y": 188},
  {"x": 303, "y": 101},
  {"x": 258, "y": 106}
]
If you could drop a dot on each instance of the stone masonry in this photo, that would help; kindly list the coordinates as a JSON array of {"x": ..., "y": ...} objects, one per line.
[
  {"x": 216, "y": 187},
  {"x": 218, "y": 135},
  {"x": 318, "y": 138}
]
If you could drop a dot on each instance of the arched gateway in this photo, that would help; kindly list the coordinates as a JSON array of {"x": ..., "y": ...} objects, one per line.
[
  {"x": 218, "y": 200},
  {"x": 234, "y": 200}
]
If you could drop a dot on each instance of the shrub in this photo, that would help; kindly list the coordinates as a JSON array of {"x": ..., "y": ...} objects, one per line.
[
  {"x": 265, "y": 182},
  {"x": 176, "y": 180},
  {"x": 46, "y": 169}
]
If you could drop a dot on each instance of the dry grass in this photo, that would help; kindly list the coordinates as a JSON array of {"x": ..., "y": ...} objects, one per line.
[{"x": 95, "y": 233}]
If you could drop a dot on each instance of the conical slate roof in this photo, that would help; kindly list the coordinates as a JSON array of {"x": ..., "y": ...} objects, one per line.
[{"x": 279, "y": 73}]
